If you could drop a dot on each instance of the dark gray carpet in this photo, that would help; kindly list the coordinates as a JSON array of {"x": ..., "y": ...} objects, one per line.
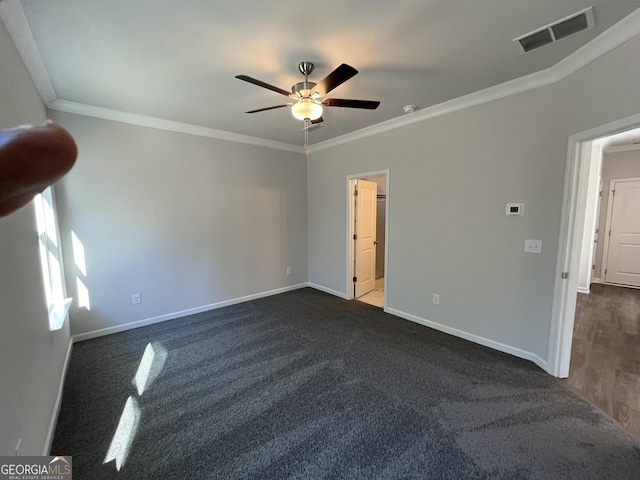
[{"x": 306, "y": 385}]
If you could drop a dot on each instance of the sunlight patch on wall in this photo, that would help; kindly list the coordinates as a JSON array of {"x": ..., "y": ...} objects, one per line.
[
  {"x": 81, "y": 263},
  {"x": 78, "y": 253},
  {"x": 83, "y": 294}
]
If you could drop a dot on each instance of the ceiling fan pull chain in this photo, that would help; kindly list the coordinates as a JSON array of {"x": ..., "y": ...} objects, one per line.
[{"x": 307, "y": 124}]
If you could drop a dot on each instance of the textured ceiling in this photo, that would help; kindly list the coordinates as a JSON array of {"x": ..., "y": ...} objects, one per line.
[{"x": 177, "y": 60}]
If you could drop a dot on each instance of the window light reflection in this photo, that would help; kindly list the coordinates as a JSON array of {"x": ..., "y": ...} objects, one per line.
[{"x": 125, "y": 433}]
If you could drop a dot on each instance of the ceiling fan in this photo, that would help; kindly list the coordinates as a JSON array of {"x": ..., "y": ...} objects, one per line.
[{"x": 309, "y": 97}]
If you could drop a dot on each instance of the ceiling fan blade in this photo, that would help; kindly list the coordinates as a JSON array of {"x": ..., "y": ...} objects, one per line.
[
  {"x": 340, "y": 75},
  {"x": 268, "y": 108},
  {"x": 260, "y": 83},
  {"x": 339, "y": 102}
]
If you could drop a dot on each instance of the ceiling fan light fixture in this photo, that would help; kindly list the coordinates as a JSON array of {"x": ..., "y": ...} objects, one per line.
[{"x": 306, "y": 109}]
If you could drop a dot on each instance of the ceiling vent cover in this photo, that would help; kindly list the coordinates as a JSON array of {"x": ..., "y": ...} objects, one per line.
[{"x": 553, "y": 32}]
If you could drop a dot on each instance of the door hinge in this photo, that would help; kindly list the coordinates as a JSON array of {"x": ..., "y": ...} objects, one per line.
[
  {"x": 355, "y": 279},
  {"x": 355, "y": 192},
  {"x": 613, "y": 192},
  {"x": 609, "y": 232},
  {"x": 564, "y": 275},
  {"x": 355, "y": 237},
  {"x": 605, "y": 271},
  {"x": 593, "y": 267}
]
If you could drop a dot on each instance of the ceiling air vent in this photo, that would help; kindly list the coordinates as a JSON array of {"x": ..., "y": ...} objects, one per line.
[{"x": 575, "y": 23}]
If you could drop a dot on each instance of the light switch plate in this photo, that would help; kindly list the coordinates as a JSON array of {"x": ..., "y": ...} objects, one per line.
[{"x": 533, "y": 246}]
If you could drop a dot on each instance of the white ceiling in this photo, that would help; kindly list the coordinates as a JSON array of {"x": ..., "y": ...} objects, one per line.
[{"x": 177, "y": 60}]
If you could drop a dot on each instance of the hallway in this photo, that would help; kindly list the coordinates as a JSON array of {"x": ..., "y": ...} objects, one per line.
[
  {"x": 605, "y": 356},
  {"x": 376, "y": 296}
]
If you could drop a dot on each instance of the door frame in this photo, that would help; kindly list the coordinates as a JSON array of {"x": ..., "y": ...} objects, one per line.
[
  {"x": 574, "y": 200},
  {"x": 350, "y": 231}
]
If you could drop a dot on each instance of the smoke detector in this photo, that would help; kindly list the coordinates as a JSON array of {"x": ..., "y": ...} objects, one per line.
[{"x": 409, "y": 108}]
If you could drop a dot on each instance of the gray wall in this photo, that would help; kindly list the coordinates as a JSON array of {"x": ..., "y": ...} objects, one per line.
[
  {"x": 185, "y": 221},
  {"x": 31, "y": 357},
  {"x": 450, "y": 179},
  {"x": 615, "y": 165}
]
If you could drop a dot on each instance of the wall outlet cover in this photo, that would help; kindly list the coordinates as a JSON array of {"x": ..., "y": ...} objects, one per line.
[{"x": 533, "y": 246}]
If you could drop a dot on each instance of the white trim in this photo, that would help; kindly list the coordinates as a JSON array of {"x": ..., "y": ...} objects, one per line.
[
  {"x": 622, "y": 148},
  {"x": 607, "y": 229},
  {"x": 183, "y": 313},
  {"x": 512, "y": 87},
  {"x": 58, "y": 403},
  {"x": 330, "y": 291},
  {"x": 501, "y": 347},
  {"x": 611, "y": 38},
  {"x": 351, "y": 212},
  {"x": 583, "y": 290},
  {"x": 565, "y": 291},
  {"x": 168, "y": 125},
  {"x": 15, "y": 21}
]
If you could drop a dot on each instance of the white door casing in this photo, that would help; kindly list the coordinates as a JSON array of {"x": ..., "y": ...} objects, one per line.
[
  {"x": 569, "y": 247},
  {"x": 623, "y": 254},
  {"x": 365, "y": 241}
]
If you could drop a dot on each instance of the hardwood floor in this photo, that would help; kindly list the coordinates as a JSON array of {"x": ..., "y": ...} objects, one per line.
[{"x": 605, "y": 356}]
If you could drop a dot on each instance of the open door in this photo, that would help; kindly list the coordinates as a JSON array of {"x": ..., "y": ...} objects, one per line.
[
  {"x": 623, "y": 260},
  {"x": 365, "y": 237}
]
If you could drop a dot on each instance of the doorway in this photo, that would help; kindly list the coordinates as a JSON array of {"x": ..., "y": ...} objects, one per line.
[
  {"x": 574, "y": 230},
  {"x": 367, "y": 237}
]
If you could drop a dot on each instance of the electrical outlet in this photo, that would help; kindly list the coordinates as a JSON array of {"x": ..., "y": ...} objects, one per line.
[
  {"x": 436, "y": 299},
  {"x": 288, "y": 270},
  {"x": 136, "y": 299}
]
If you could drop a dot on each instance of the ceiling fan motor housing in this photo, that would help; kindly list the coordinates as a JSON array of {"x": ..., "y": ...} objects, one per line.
[{"x": 303, "y": 89}]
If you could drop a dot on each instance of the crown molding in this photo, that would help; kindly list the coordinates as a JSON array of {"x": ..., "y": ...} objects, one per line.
[
  {"x": 611, "y": 38},
  {"x": 18, "y": 28},
  {"x": 512, "y": 87},
  {"x": 168, "y": 125},
  {"x": 15, "y": 21}
]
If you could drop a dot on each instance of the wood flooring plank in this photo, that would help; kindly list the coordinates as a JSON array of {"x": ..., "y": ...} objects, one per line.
[{"x": 605, "y": 355}]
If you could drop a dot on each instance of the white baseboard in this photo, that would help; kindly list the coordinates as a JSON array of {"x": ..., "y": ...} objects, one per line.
[
  {"x": 582, "y": 290},
  {"x": 327, "y": 290},
  {"x": 183, "y": 313},
  {"x": 473, "y": 338},
  {"x": 56, "y": 407}
]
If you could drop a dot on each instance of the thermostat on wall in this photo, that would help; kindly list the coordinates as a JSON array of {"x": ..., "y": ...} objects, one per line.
[{"x": 515, "y": 209}]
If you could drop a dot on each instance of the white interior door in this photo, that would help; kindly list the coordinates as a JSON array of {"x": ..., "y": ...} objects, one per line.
[
  {"x": 365, "y": 241},
  {"x": 623, "y": 259}
]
